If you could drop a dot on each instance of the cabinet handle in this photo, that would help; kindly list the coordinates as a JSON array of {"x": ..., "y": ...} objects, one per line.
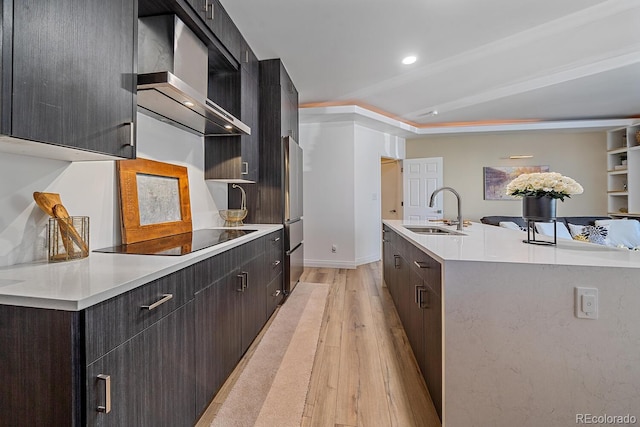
[
  {"x": 132, "y": 133},
  {"x": 242, "y": 277},
  {"x": 246, "y": 56},
  {"x": 165, "y": 298},
  {"x": 421, "y": 264},
  {"x": 245, "y": 168},
  {"x": 419, "y": 292},
  {"x": 205, "y": 5},
  {"x": 275, "y": 263},
  {"x": 210, "y": 11},
  {"x": 246, "y": 280},
  {"x": 396, "y": 258},
  {"x": 107, "y": 393},
  {"x": 276, "y": 293},
  {"x": 276, "y": 239}
]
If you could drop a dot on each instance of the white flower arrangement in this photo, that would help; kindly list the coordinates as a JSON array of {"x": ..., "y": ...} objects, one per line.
[{"x": 540, "y": 184}]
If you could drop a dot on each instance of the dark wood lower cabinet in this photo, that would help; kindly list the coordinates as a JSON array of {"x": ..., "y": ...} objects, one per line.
[
  {"x": 148, "y": 379},
  {"x": 120, "y": 363},
  {"x": 39, "y": 374},
  {"x": 414, "y": 282},
  {"x": 229, "y": 315}
]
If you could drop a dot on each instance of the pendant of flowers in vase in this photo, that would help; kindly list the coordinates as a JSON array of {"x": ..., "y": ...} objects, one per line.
[{"x": 539, "y": 192}]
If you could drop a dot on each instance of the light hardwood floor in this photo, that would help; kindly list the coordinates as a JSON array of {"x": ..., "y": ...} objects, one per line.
[{"x": 364, "y": 373}]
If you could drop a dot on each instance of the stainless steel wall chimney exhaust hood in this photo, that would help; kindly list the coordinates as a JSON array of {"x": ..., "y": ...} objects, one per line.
[{"x": 172, "y": 79}]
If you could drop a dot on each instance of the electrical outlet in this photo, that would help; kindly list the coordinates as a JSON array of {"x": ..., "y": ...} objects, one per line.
[
  {"x": 334, "y": 249},
  {"x": 586, "y": 303}
]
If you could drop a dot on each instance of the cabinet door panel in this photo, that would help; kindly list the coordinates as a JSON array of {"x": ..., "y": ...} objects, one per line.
[
  {"x": 250, "y": 143},
  {"x": 413, "y": 317},
  {"x": 432, "y": 370},
  {"x": 74, "y": 73},
  {"x": 226, "y": 31},
  {"x": 151, "y": 377},
  {"x": 218, "y": 340},
  {"x": 254, "y": 303}
]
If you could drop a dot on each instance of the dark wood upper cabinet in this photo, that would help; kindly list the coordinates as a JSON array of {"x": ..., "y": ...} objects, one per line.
[
  {"x": 69, "y": 73},
  {"x": 236, "y": 157}
]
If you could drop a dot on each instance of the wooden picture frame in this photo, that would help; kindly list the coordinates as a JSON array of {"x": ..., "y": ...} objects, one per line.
[{"x": 154, "y": 200}]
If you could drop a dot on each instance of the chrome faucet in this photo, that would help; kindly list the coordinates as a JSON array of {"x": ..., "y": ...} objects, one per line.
[{"x": 433, "y": 199}]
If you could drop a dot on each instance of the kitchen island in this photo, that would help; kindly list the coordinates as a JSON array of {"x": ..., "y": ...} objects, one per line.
[{"x": 512, "y": 350}]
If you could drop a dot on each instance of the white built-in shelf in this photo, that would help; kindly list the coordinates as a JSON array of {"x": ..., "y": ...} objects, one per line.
[
  {"x": 618, "y": 150},
  {"x": 625, "y": 215},
  {"x": 623, "y": 170},
  {"x": 617, "y": 171}
]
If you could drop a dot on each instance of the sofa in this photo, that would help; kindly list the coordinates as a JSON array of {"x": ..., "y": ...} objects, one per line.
[
  {"x": 603, "y": 230},
  {"x": 578, "y": 220}
]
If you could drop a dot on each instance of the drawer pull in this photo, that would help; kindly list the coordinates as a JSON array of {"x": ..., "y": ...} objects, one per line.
[
  {"x": 421, "y": 291},
  {"x": 244, "y": 279},
  {"x": 276, "y": 239},
  {"x": 396, "y": 258},
  {"x": 275, "y": 263},
  {"x": 276, "y": 293},
  {"x": 421, "y": 264},
  {"x": 165, "y": 298},
  {"x": 107, "y": 393}
]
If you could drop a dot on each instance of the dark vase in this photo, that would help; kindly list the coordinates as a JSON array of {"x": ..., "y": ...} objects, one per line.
[{"x": 538, "y": 208}]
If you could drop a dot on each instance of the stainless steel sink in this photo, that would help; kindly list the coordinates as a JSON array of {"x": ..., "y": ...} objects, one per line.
[{"x": 433, "y": 230}]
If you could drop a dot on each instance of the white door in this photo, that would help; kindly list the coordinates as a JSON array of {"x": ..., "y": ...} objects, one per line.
[{"x": 420, "y": 178}]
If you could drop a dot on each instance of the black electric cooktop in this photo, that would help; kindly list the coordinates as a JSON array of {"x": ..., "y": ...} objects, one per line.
[{"x": 179, "y": 244}]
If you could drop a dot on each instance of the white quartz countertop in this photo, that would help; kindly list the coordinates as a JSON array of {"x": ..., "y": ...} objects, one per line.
[
  {"x": 488, "y": 243},
  {"x": 78, "y": 284}
]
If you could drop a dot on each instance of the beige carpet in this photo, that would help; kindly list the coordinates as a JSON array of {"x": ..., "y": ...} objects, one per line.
[{"x": 272, "y": 389}]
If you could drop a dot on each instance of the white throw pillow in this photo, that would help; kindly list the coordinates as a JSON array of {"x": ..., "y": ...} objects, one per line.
[
  {"x": 510, "y": 225},
  {"x": 546, "y": 229},
  {"x": 623, "y": 232},
  {"x": 598, "y": 234}
]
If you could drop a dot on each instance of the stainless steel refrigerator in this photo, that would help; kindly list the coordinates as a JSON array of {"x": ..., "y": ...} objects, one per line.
[{"x": 293, "y": 218}]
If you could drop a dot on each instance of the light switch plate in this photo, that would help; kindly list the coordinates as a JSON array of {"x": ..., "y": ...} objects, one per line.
[{"x": 586, "y": 303}]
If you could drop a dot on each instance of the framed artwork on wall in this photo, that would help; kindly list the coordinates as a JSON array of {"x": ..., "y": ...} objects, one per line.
[
  {"x": 496, "y": 179},
  {"x": 154, "y": 200}
]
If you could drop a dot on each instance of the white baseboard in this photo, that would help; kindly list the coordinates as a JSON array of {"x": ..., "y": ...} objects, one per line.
[
  {"x": 329, "y": 264},
  {"x": 368, "y": 259},
  {"x": 340, "y": 264}
]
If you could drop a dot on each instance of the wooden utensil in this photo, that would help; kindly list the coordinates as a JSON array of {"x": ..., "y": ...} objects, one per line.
[
  {"x": 67, "y": 229},
  {"x": 46, "y": 201}
]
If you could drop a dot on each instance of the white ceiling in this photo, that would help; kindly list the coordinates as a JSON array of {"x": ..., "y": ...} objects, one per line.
[{"x": 478, "y": 61}]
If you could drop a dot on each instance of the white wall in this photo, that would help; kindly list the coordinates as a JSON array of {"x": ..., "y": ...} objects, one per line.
[
  {"x": 342, "y": 191},
  {"x": 329, "y": 189},
  {"x": 580, "y": 155},
  {"x": 89, "y": 188},
  {"x": 370, "y": 146}
]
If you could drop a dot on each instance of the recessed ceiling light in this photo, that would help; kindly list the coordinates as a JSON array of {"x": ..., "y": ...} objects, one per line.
[
  {"x": 429, "y": 113},
  {"x": 409, "y": 60},
  {"x": 188, "y": 103}
]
